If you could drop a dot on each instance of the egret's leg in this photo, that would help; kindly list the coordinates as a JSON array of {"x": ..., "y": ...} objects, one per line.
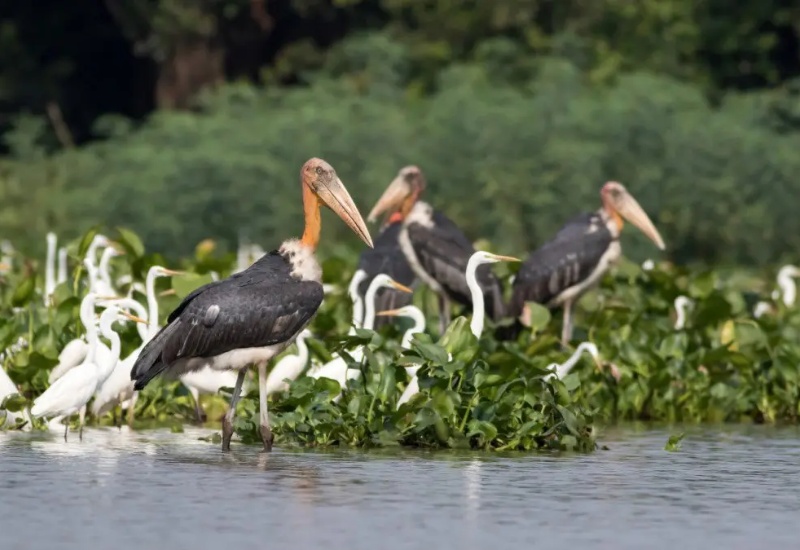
[
  {"x": 198, "y": 409},
  {"x": 266, "y": 432},
  {"x": 227, "y": 420},
  {"x": 66, "y": 429},
  {"x": 566, "y": 329},
  {"x": 116, "y": 420},
  {"x": 81, "y": 419},
  {"x": 132, "y": 408}
]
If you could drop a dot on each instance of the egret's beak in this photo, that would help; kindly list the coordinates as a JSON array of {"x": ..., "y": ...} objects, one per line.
[
  {"x": 499, "y": 258},
  {"x": 117, "y": 247},
  {"x": 598, "y": 363},
  {"x": 629, "y": 208},
  {"x": 392, "y": 198},
  {"x": 388, "y": 313},
  {"x": 401, "y": 288},
  {"x": 172, "y": 273},
  {"x": 333, "y": 194},
  {"x": 168, "y": 292},
  {"x": 108, "y": 298},
  {"x": 133, "y": 317}
]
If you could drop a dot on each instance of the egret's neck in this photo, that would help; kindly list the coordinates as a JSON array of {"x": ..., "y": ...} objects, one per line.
[
  {"x": 369, "y": 306},
  {"x": 788, "y": 289},
  {"x": 139, "y": 309},
  {"x": 358, "y": 303},
  {"x": 302, "y": 348},
  {"x": 50, "y": 266},
  {"x": 478, "y": 308},
  {"x": 104, "y": 266},
  {"x": 113, "y": 337},
  {"x": 87, "y": 318},
  {"x": 62, "y": 265},
  {"x": 313, "y": 218},
  {"x": 419, "y": 326},
  {"x": 152, "y": 303}
]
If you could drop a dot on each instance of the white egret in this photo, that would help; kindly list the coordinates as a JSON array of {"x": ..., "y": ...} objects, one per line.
[
  {"x": 50, "y": 268},
  {"x": 358, "y": 302},
  {"x": 682, "y": 304},
  {"x": 337, "y": 369},
  {"x": 561, "y": 370},
  {"x": 118, "y": 387},
  {"x": 104, "y": 285},
  {"x": 62, "y": 265},
  {"x": 416, "y": 315},
  {"x": 787, "y": 285},
  {"x": 476, "y": 292},
  {"x": 290, "y": 366},
  {"x": 70, "y": 393}
]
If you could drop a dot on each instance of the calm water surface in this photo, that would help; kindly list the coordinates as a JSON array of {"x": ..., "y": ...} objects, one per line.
[{"x": 732, "y": 487}]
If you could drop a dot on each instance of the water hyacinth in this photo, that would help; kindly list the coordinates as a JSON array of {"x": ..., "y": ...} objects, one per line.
[{"x": 723, "y": 364}]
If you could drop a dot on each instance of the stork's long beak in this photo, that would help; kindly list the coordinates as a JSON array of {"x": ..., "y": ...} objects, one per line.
[
  {"x": 629, "y": 208},
  {"x": 132, "y": 317},
  {"x": 388, "y": 313},
  {"x": 401, "y": 288},
  {"x": 500, "y": 258},
  {"x": 391, "y": 199},
  {"x": 335, "y": 196}
]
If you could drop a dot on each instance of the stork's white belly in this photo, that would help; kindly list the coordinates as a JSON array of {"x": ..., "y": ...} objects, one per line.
[
  {"x": 606, "y": 261},
  {"x": 238, "y": 358}
]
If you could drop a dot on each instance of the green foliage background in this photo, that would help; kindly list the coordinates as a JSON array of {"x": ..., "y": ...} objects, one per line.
[{"x": 516, "y": 111}]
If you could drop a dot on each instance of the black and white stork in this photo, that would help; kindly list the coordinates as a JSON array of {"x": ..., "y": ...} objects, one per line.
[
  {"x": 436, "y": 249},
  {"x": 562, "y": 269},
  {"x": 255, "y": 314},
  {"x": 387, "y": 258}
]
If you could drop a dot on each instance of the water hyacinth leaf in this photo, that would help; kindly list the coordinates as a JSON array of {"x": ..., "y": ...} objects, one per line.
[
  {"x": 486, "y": 430},
  {"x": 702, "y": 285},
  {"x": 536, "y": 316},
  {"x": 674, "y": 442},
  {"x": 86, "y": 240},
  {"x": 24, "y": 291},
  {"x": 131, "y": 242},
  {"x": 459, "y": 340},
  {"x": 431, "y": 352},
  {"x": 386, "y": 386},
  {"x": 186, "y": 284},
  {"x": 13, "y": 403}
]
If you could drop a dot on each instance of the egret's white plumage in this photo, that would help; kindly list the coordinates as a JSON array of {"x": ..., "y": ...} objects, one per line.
[
  {"x": 50, "y": 268},
  {"x": 290, "y": 366},
  {"x": 416, "y": 315},
  {"x": 70, "y": 393},
  {"x": 62, "y": 265},
  {"x": 7, "y": 387},
  {"x": 682, "y": 304},
  {"x": 337, "y": 369},
  {"x": 562, "y": 370}
]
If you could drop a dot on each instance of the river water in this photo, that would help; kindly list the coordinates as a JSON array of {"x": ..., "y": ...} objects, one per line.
[{"x": 731, "y": 487}]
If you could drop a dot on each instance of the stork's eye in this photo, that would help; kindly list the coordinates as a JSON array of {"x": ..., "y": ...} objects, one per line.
[{"x": 319, "y": 170}]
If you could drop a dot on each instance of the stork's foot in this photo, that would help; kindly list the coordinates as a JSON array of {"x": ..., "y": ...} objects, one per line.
[
  {"x": 267, "y": 437},
  {"x": 227, "y": 433}
]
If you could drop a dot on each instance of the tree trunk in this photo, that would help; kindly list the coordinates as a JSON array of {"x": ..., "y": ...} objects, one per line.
[{"x": 192, "y": 66}]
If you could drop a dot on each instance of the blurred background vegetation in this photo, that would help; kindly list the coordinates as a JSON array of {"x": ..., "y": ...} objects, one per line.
[{"x": 187, "y": 119}]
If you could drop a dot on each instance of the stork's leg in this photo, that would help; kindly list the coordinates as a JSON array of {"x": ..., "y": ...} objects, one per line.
[
  {"x": 227, "y": 420},
  {"x": 566, "y": 328},
  {"x": 266, "y": 432},
  {"x": 444, "y": 312},
  {"x": 198, "y": 409}
]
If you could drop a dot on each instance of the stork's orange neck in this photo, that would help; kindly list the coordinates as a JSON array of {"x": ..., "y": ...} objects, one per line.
[
  {"x": 613, "y": 214},
  {"x": 408, "y": 204},
  {"x": 313, "y": 218},
  {"x": 396, "y": 217}
]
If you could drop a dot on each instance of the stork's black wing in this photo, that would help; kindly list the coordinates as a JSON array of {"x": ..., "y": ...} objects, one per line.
[
  {"x": 443, "y": 252},
  {"x": 566, "y": 260},
  {"x": 261, "y": 306},
  {"x": 387, "y": 257}
]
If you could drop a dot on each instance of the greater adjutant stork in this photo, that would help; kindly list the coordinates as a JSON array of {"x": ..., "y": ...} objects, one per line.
[
  {"x": 436, "y": 249},
  {"x": 387, "y": 258},
  {"x": 562, "y": 269},
  {"x": 255, "y": 314}
]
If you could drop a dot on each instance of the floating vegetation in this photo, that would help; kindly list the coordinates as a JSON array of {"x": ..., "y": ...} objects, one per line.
[{"x": 722, "y": 364}]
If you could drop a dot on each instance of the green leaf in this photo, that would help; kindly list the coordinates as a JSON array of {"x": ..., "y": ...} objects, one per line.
[
  {"x": 13, "y": 403},
  {"x": 537, "y": 316},
  {"x": 186, "y": 284},
  {"x": 131, "y": 242},
  {"x": 674, "y": 442},
  {"x": 431, "y": 352},
  {"x": 24, "y": 292}
]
